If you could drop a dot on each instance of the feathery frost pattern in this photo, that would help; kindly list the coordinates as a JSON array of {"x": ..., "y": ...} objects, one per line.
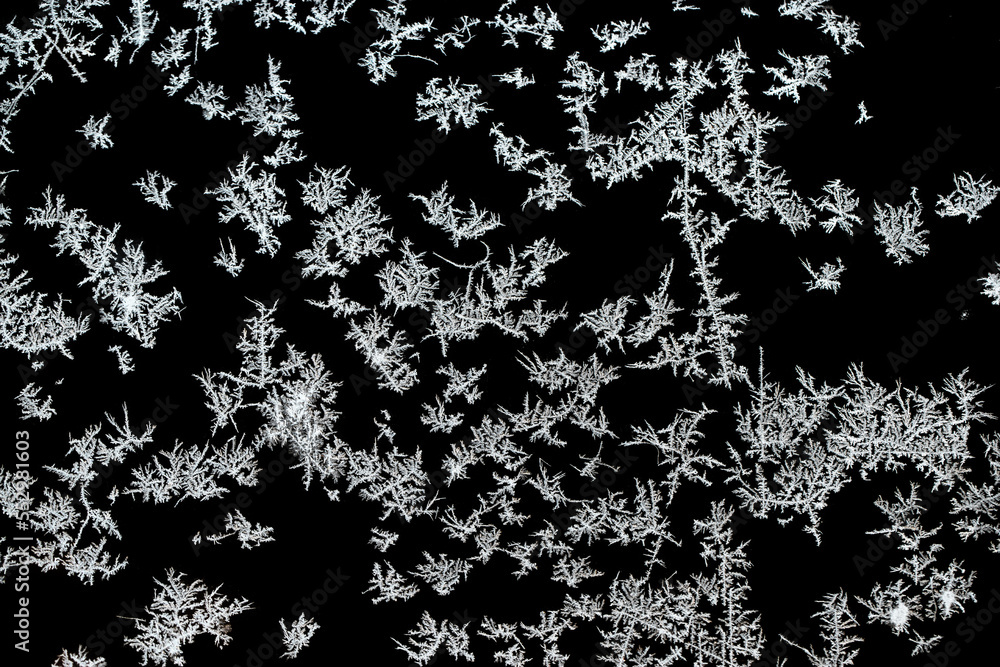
[{"x": 462, "y": 398}]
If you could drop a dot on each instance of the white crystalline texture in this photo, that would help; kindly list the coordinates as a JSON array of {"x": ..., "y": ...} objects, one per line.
[
  {"x": 379, "y": 56},
  {"x": 618, "y": 33},
  {"x": 119, "y": 274},
  {"x": 805, "y": 71},
  {"x": 541, "y": 28},
  {"x": 969, "y": 197},
  {"x": 458, "y": 36},
  {"x": 67, "y": 30},
  {"x": 228, "y": 260},
  {"x": 459, "y": 224},
  {"x": 96, "y": 132},
  {"x": 80, "y": 658},
  {"x": 802, "y": 447},
  {"x": 155, "y": 187},
  {"x": 297, "y": 635},
  {"x": 516, "y": 77},
  {"x": 391, "y": 585},
  {"x": 838, "y": 632},
  {"x": 899, "y": 228},
  {"x": 452, "y": 104},
  {"x": 269, "y": 108},
  {"x": 179, "y": 613},
  {"x": 429, "y": 637},
  {"x": 31, "y": 406},
  {"x": 212, "y": 100},
  {"x": 257, "y": 201},
  {"x": 27, "y": 323},
  {"x": 839, "y": 201},
  {"x": 386, "y": 351},
  {"x": 826, "y": 277},
  {"x": 72, "y": 531},
  {"x": 249, "y": 535},
  {"x": 325, "y": 188}
]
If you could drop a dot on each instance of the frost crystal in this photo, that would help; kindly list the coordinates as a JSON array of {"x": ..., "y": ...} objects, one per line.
[
  {"x": 517, "y": 78},
  {"x": 124, "y": 359},
  {"x": 391, "y": 586},
  {"x": 118, "y": 274},
  {"x": 511, "y": 154},
  {"x": 991, "y": 287},
  {"x": 96, "y": 132},
  {"x": 296, "y": 636},
  {"x": 256, "y": 201},
  {"x": 428, "y": 637},
  {"x": 155, "y": 193},
  {"x": 641, "y": 71},
  {"x": 211, "y": 99},
  {"x": 618, "y": 33},
  {"x": 827, "y": 277},
  {"x": 228, "y": 260},
  {"x": 968, "y": 199},
  {"x": 81, "y": 658},
  {"x": 454, "y": 103},
  {"x": 178, "y": 614},
  {"x": 898, "y": 227},
  {"x": 31, "y": 406},
  {"x": 72, "y": 529},
  {"x": 542, "y": 28},
  {"x": 458, "y": 36},
  {"x": 459, "y": 224},
  {"x": 250, "y": 535},
  {"x": 269, "y": 109},
  {"x": 805, "y": 71},
  {"x": 386, "y": 351},
  {"x": 840, "y": 202},
  {"x": 382, "y": 52},
  {"x": 580, "y": 484},
  {"x": 837, "y": 632},
  {"x": 325, "y": 188},
  {"x": 863, "y": 116}
]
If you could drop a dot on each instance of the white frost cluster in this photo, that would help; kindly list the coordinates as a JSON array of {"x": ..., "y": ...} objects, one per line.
[
  {"x": 179, "y": 613},
  {"x": 452, "y": 104},
  {"x": 969, "y": 197}
]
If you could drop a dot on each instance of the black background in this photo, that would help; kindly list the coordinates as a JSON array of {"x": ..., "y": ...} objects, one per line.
[{"x": 935, "y": 71}]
